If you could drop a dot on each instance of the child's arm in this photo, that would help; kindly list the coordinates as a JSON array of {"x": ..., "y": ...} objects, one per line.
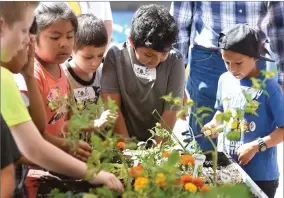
[
  {"x": 120, "y": 126},
  {"x": 247, "y": 151},
  {"x": 29, "y": 140},
  {"x": 36, "y": 107},
  {"x": 276, "y": 105},
  {"x": 81, "y": 150}
]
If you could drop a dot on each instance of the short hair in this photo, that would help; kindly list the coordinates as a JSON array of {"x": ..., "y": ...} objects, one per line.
[
  {"x": 153, "y": 27},
  {"x": 12, "y": 11},
  {"x": 91, "y": 32},
  {"x": 48, "y": 13}
]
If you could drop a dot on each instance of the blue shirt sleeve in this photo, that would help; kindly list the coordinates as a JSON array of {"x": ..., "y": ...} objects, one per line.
[
  {"x": 276, "y": 105},
  {"x": 219, "y": 104}
]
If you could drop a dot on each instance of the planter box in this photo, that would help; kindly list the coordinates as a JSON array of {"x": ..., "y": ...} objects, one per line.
[
  {"x": 45, "y": 181},
  {"x": 247, "y": 180}
]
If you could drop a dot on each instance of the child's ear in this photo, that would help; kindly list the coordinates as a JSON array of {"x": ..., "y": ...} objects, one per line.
[{"x": 131, "y": 43}]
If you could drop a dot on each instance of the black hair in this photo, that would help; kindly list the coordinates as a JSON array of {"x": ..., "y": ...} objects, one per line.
[
  {"x": 153, "y": 27},
  {"x": 48, "y": 13},
  {"x": 33, "y": 28},
  {"x": 91, "y": 31}
]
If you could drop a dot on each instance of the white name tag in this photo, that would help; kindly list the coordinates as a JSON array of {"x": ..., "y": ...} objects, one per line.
[
  {"x": 144, "y": 72},
  {"x": 84, "y": 93}
]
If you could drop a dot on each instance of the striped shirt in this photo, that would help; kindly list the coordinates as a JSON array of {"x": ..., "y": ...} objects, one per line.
[{"x": 200, "y": 23}]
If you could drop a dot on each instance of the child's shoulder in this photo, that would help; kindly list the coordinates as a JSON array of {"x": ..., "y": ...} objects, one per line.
[
  {"x": 272, "y": 87},
  {"x": 175, "y": 54}
]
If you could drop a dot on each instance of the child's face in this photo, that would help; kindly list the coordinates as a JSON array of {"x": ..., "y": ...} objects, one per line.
[
  {"x": 241, "y": 66},
  {"x": 16, "y": 36},
  {"x": 89, "y": 58},
  {"x": 55, "y": 42},
  {"x": 149, "y": 57}
]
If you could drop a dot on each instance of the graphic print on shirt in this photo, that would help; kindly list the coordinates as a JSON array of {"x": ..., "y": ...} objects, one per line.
[
  {"x": 144, "y": 72},
  {"x": 57, "y": 104},
  {"x": 235, "y": 100},
  {"x": 86, "y": 95}
]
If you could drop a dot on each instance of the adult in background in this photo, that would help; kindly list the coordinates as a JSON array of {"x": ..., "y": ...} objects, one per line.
[{"x": 199, "y": 26}]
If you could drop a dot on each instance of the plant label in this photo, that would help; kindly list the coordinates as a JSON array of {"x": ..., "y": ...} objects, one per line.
[{"x": 199, "y": 159}]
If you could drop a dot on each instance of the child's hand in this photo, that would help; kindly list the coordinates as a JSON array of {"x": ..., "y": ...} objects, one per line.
[
  {"x": 81, "y": 150},
  {"x": 105, "y": 117},
  {"x": 28, "y": 69},
  {"x": 246, "y": 152},
  {"x": 108, "y": 179},
  {"x": 209, "y": 130}
]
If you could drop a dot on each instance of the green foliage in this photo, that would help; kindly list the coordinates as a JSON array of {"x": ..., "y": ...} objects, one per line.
[{"x": 107, "y": 155}]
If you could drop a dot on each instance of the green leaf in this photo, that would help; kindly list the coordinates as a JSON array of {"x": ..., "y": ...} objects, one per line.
[
  {"x": 203, "y": 108},
  {"x": 88, "y": 195},
  {"x": 173, "y": 158},
  {"x": 234, "y": 135},
  {"x": 168, "y": 98}
]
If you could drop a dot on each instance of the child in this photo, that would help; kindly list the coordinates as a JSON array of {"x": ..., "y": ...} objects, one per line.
[
  {"x": 137, "y": 73},
  {"x": 256, "y": 150},
  {"x": 83, "y": 70},
  {"x": 26, "y": 135},
  {"x": 14, "y": 36}
]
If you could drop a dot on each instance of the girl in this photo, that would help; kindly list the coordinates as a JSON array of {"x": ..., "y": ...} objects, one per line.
[{"x": 54, "y": 43}]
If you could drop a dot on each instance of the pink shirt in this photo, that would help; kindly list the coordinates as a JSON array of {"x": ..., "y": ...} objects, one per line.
[{"x": 54, "y": 94}]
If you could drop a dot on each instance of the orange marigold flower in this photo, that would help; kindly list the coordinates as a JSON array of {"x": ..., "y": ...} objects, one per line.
[
  {"x": 198, "y": 182},
  {"x": 186, "y": 159},
  {"x": 176, "y": 181},
  {"x": 186, "y": 179},
  {"x": 165, "y": 154},
  {"x": 136, "y": 171},
  {"x": 205, "y": 188},
  {"x": 120, "y": 146},
  {"x": 160, "y": 179},
  {"x": 105, "y": 143},
  {"x": 190, "y": 187},
  {"x": 140, "y": 183}
]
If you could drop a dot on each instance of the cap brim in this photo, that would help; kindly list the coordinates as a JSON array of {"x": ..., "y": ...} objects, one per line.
[{"x": 265, "y": 59}]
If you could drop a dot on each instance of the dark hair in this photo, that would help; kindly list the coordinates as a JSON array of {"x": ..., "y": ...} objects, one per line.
[
  {"x": 12, "y": 11},
  {"x": 33, "y": 28},
  {"x": 91, "y": 31},
  {"x": 48, "y": 13},
  {"x": 153, "y": 27}
]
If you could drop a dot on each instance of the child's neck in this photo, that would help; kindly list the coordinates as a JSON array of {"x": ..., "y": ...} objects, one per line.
[
  {"x": 254, "y": 73},
  {"x": 79, "y": 72},
  {"x": 51, "y": 68}
]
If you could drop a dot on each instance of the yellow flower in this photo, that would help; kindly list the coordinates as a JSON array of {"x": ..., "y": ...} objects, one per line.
[
  {"x": 140, "y": 183},
  {"x": 160, "y": 179},
  {"x": 190, "y": 187}
]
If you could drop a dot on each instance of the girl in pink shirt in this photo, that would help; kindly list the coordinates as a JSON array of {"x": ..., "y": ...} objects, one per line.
[{"x": 57, "y": 26}]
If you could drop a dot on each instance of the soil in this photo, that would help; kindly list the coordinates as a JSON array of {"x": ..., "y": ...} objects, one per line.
[{"x": 222, "y": 160}]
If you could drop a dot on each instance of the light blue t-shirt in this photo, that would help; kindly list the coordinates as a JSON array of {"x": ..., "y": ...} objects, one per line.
[{"x": 270, "y": 112}]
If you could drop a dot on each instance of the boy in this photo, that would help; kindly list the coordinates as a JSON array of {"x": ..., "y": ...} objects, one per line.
[
  {"x": 14, "y": 32},
  {"x": 137, "y": 73},
  {"x": 83, "y": 70},
  {"x": 256, "y": 150},
  {"x": 14, "y": 36}
]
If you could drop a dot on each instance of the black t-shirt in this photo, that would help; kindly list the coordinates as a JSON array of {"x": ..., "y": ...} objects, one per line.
[{"x": 9, "y": 150}]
